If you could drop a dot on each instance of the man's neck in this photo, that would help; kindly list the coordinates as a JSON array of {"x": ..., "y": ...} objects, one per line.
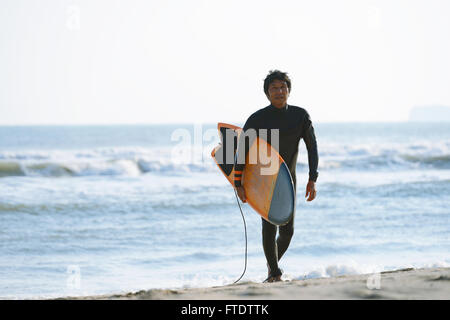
[{"x": 280, "y": 106}]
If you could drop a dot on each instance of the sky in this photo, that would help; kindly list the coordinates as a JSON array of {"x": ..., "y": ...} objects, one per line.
[{"x": 204, "y": 61}]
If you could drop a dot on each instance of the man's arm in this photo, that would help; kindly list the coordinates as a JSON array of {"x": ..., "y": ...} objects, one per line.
[
  {"x": 313, "y": 157},
  {"x": 313, "y": 154},
  {"x": 244, "y": 143}
]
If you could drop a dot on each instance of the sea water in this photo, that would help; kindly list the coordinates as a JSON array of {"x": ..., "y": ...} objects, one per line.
[{"x": 90, "y": 210}]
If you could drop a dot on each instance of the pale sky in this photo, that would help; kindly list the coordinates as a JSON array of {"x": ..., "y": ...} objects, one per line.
[{"x": 108, "y": 62}]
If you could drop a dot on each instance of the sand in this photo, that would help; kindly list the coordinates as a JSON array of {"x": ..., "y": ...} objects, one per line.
[{"x": 432, "y": 283}]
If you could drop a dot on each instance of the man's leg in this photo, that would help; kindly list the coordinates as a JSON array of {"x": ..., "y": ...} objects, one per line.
[
  {"x": 269, "y": 232},
  {"x": 287, "y": 231},
  {"x": 284, "y": 238}
]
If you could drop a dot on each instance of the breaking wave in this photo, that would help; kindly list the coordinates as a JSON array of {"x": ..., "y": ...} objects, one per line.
[{"x": 137, "y": 161}]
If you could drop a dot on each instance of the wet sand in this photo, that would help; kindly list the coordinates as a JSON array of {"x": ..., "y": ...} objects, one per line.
[{"x": 432, "y": 283}]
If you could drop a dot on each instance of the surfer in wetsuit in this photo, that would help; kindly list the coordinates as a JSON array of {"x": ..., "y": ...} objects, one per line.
[{"x": 293, "y": 124}]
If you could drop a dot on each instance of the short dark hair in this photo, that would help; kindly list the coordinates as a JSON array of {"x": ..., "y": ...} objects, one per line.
[{"x": 276, "y": 75}]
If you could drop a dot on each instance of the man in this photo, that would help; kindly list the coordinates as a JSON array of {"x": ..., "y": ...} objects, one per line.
[{"x": 293, "y": 124}]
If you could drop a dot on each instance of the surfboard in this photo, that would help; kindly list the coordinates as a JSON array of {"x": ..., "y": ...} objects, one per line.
[{"x": 269, "y": 192}]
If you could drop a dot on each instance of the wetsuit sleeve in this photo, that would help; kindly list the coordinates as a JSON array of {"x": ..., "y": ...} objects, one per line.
[
  {"x": 242, "y": 150},
  {"x": 311, "y": 146}
]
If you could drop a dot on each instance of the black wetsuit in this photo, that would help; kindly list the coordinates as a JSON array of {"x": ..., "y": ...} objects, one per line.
[{"x": 294, "y": 124}]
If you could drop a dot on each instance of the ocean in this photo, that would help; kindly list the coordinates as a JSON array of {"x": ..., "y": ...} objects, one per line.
[{"x": 88, "y": 210}]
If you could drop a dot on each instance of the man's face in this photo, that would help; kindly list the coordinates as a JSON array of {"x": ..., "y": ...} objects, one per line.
[{"x": 278, "y": 93}]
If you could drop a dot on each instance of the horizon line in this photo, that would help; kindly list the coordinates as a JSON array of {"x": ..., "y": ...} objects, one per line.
[{"x": 200, "y": 122}]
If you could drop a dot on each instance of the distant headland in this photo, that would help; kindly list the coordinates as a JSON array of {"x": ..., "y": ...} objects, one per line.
[{"x": 430, "y": 114}]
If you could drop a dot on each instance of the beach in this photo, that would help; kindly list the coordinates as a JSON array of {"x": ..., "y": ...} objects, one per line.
[{"x": 426, "y": 283}]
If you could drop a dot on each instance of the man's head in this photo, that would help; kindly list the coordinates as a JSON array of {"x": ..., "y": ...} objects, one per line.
[{"x": 277, "y": 87}]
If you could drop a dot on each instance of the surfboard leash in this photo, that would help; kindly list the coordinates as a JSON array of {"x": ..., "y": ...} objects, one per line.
[{"x": 245, "y": 231}]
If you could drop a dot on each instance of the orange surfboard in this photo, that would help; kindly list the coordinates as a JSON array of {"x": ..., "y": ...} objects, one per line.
[{"x": 266, "y": 178}]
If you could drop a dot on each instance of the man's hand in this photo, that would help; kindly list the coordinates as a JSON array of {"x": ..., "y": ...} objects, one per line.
[
  {"x": 241, "y": 193},
  {"x": 310, "y": 190}
]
